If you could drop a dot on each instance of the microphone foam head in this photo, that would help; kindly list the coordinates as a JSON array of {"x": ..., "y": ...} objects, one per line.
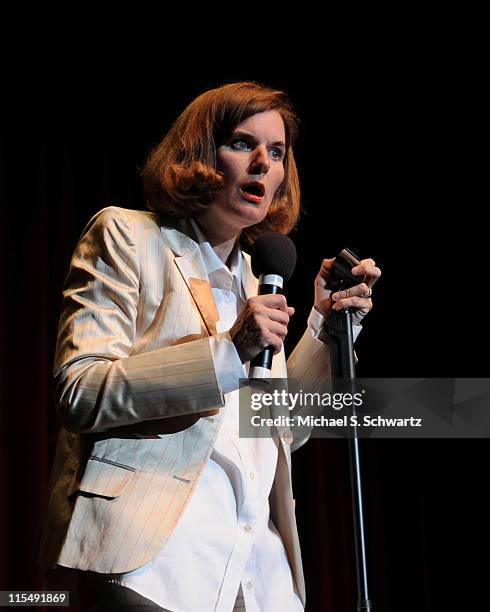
[{"x": 273, "y": 253}]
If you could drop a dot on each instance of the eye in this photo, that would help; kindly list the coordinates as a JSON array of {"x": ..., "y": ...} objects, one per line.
[
  {"x": 277, "y": 153},
  {"x": 241, "y": 144}
]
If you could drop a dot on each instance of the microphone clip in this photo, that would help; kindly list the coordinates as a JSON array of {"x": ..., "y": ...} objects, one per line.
[{"x": 341, "y": 270}]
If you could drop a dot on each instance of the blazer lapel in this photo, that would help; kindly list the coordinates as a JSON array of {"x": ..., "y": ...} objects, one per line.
[
  {"x": 188, "y": 260},
  {"x": 249, "y": 282}
]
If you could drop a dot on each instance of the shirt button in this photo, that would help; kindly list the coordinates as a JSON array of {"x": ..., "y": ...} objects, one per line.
[
  {"x": 252, "y": 476},
  {"x": 249, "y": 585},
  {"x": 248, "y": 528}
]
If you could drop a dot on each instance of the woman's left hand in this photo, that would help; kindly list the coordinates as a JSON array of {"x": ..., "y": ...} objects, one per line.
[{"x": 357, "y": 298}]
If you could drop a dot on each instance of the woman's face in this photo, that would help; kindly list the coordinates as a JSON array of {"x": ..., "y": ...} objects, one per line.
[{"x": 252, "y": 161}]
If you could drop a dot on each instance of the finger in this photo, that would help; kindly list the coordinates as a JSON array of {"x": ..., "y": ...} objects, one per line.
[
  {"x": 368, "y": 269},
  {"x": 277, "y": 349},
  {"x": 277, "y": 329},
  {"x": 326, "y": 268},
  {"x": 370, "y": 263},
  {"x": 356, "y": 302},
  {"x": 361, "y": 290},
  {"x": 272, "y": 300},
  {"x": 372, "y": 274},
  {"x": 328, "y": 263},
  {"x": 274, "y": 340},
  {"x": 363, "y": 267},
  {"x": 273, "y": 314}
]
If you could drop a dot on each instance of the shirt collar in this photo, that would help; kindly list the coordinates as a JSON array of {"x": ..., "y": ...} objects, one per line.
[{"x": 214, "y": 266}]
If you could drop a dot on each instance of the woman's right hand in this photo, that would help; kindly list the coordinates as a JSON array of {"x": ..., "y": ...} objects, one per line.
[{"x": 262, "y": 323}]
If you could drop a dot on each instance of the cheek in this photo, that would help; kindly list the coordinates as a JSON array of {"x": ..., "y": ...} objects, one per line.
[
  {"x": 231, "y": 181},
  {"x": 278, "y": 179},
  {"x": 230, "y": 168}
]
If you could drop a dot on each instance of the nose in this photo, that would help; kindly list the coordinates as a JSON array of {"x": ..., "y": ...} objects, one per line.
[{"x": 260, "y": 162}]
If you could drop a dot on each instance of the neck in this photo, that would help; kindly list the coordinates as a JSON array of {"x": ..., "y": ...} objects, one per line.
[
  {"x": 221, "y": 240},
  {"x": 224, "y": 249}
]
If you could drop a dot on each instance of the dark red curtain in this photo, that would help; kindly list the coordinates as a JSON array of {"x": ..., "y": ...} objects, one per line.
[{"x": 362, "y": 187}]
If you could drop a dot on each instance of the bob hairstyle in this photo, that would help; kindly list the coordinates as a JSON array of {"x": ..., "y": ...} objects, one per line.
[{"x": 180, "y": 177}]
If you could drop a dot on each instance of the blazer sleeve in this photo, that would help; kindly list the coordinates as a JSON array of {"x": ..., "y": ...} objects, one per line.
[
  {"x": 310, "y": 363},
  {"x": 98, "y": 384}
]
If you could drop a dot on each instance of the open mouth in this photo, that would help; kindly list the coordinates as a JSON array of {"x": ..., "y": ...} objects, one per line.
[{"x": 253, "y": 192}]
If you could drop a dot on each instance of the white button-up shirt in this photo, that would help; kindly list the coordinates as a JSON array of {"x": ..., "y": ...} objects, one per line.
[{"x": 225, "y": 538}]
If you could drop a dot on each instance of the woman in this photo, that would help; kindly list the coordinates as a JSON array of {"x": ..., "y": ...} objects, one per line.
[{"x": 156, "y": 501}]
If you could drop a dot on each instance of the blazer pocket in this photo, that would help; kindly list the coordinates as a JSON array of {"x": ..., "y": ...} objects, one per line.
[{"x": 105, "y": 477}]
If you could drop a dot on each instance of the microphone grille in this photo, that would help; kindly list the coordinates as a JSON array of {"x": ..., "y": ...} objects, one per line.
[{"x": 273, "y": 253}]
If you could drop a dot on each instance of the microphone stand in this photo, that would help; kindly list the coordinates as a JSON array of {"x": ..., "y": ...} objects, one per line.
[{"x": 341, "y": 345}]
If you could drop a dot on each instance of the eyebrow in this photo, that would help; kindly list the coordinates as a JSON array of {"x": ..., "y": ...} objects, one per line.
[{"x": 278, "y": 143}]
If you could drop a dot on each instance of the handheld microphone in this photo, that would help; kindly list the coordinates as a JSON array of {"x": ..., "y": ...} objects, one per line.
[{"x": 273, "y": 262}]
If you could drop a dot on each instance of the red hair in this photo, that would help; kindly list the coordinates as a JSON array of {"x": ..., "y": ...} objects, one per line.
[{"x": 180, "y": 176}]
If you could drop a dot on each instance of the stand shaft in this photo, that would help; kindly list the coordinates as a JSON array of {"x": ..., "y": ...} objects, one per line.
[{"x": 343, "y": 370}]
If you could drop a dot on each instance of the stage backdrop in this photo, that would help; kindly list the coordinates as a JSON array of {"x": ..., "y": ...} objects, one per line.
[{"x": 374, "y": 159}]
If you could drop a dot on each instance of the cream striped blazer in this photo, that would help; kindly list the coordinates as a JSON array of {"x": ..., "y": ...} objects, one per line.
[{"x": 138, "y": 398}]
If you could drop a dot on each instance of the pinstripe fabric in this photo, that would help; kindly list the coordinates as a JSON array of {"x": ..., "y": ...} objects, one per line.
[{"x": 133, "y": 374}]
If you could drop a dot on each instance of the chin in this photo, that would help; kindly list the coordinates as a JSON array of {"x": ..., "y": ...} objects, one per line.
[
  {"x": 251, "y": 216},
  {"x": 250, "y": 220}
]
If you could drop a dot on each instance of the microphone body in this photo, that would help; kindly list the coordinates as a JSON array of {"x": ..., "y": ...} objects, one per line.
[
  {"x": 261, "y": 364},
  {"x": 273, "y": 259}
]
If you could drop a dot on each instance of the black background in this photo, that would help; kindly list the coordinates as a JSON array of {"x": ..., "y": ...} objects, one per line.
[{"x": 391, "y": 164}]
